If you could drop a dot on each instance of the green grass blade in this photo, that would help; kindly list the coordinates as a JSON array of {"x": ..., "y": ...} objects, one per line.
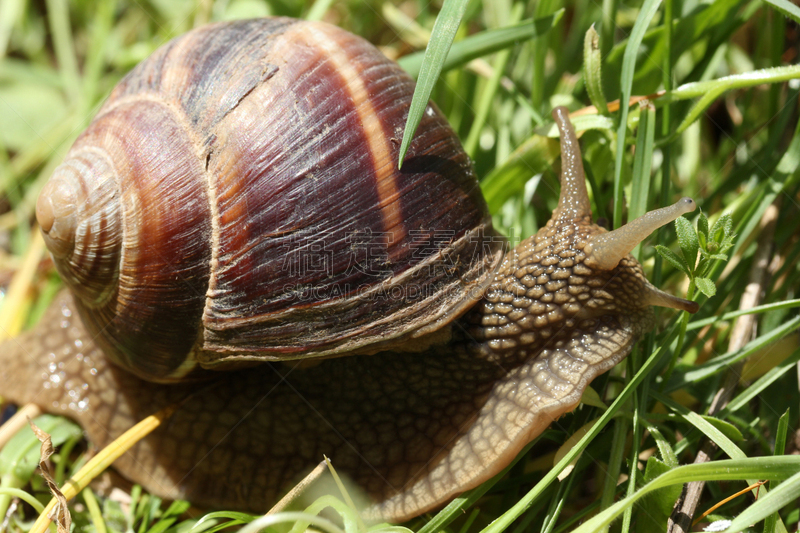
[
  {"x": 784, "y": 494},
  {"x": 10, "y": 11},
  {"x": 489, "y": 91},
  {"x": 539, "y": 55},
  {"x": 608, "y": 25},
  {"x": 580, "y": 123},
  {"x": 704, "y": 425},
  {"x": 646, "y": 14},
  {"x": 318, "y": 9},
  {"x": 787, "y": 8},
  {"x": 616, "y": 456},
  {"x": 770, "y": 524},
  {"x": 455, "y": 508},
  {"x": 718, "y": 364},
  {"x": 485, "y": 43},
  {"x": 592, "y": 71},
  {"x": 642, "y": 166},
  {"x": 716, "y": 20},
  {"x": 762, "y": 383},
  {"x": 444, "y": 31},
  {"x": 65, "y": 51},
  {"x": 532, "y": 157},
  {"x": 777, "y": 306},
  {"x": 710, "y": 90},
  {"x": 725, "y": 470}
]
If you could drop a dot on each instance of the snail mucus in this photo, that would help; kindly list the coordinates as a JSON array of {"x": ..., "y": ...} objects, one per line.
[{"x": 236, "y": 205}]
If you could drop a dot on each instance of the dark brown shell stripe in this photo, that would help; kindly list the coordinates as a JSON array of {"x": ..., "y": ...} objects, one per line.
[{"x": 166, "y": 251}]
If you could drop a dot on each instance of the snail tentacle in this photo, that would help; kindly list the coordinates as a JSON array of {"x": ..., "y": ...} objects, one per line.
[{"x": 605, "y": 250}]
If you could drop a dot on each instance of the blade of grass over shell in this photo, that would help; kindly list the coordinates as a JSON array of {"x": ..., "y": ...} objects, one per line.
[
  {"x": 724, "y": 470},
  {"x": 504, "y": 520},
  {"x": 485, "y": 43},
  {"x": 646, "y": 14},
  {"x": 442, "y": 35}
]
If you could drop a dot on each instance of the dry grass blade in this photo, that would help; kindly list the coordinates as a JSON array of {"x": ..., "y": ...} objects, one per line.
[
  {"x": 59, "y": 512},
  {"x": 103, "y": 460},
  {"x": 10, "y": 322},
  {"x": 726, "y": 500},
  {"x": 298, "y": 489}
]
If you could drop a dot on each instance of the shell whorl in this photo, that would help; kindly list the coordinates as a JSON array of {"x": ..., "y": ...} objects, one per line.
[
  {"x": 134, "y": 192},
  {"x": 78, "y": 211}
]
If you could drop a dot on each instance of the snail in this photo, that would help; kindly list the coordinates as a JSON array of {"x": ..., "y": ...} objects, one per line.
[{"x": 236, "y": 205}]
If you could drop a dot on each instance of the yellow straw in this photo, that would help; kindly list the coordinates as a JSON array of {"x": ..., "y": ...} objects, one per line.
[
  {"x": 103, "y": 460},
  {"x": 10, "y": 317}
]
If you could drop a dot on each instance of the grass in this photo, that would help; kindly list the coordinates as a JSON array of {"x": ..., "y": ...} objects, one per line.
[{"x": 721, "y": 125}]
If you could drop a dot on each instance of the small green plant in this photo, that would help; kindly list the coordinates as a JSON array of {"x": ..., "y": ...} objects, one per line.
[{"x": 710, "y": 244}]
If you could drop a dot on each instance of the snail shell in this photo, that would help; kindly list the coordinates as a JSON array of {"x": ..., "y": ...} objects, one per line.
[{"x": 237, "y": 198}]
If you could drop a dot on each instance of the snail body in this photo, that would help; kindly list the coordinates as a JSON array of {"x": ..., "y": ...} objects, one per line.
[{"x": 245, "y": 176}]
